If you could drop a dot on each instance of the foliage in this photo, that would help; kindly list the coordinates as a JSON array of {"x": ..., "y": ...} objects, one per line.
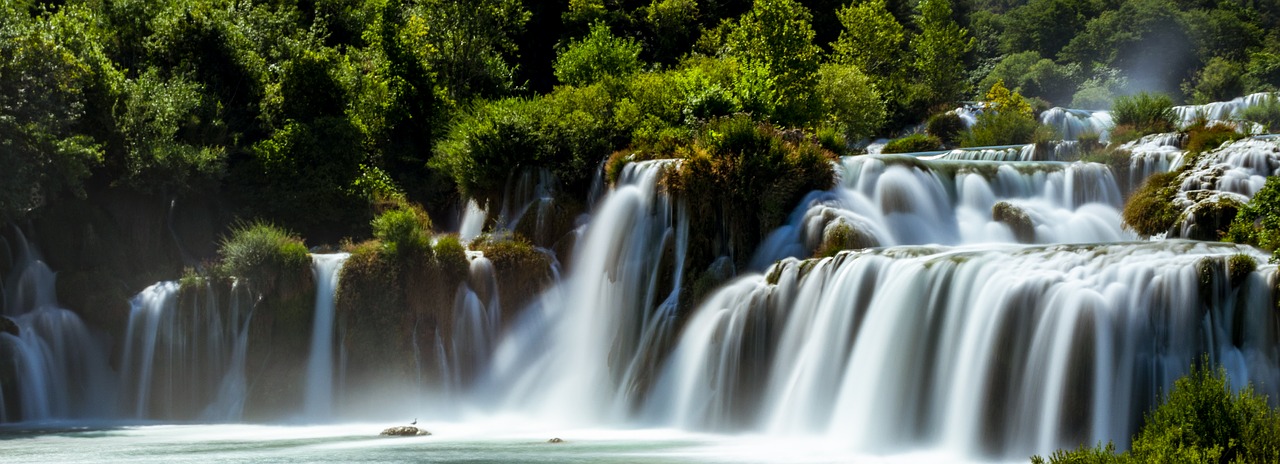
[
  {"x": 849, "y": 101},
  {"x": 152, "y": 117},
  {"x": 774, "y": 43},
  {"x": 736, "y": 161},
  {"x": 1202, "y": 138},
  {"x": 1219, "y": 80},
  {"x": 262, "y": 252},
  {"x": 1145, "y": 113},
  {"x": 1008, "y": 120},
  {"x": 1265, "y": 113},
  {"x": 872, "y": 38},
  {"x": 940, "y": 50},
  {"x": 1200, "y": 420},
  {"x": 947, "y": 127},
  {"x": 1258, "y": 222},
  {"x": 913, "y": 143},
  {"x": 1150, "y": 211},
  {"x": 1033, "y": 76},
  {"x": 597, "y": 56},
  {"x": 403, "y": 231}
]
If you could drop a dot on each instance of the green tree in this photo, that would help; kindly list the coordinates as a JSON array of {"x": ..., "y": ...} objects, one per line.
[
  {"x": 774, "y": 43},
  {"x": 598, "y": 55},
  {"x": 849, "y": 100},
  {"x": 162, "y": 122},
  {"x": 1219, "y": 80},
  {"x": 939, "y": 51},
  {"x": 872, "y": 38},
  {"x": 1258, "y": 222},
  {"x": 673, "y": 28},
  {"x": 474, "y": 44}
]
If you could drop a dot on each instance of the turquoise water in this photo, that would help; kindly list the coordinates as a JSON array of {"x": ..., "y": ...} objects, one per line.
[{"x": 453, "y": 443}]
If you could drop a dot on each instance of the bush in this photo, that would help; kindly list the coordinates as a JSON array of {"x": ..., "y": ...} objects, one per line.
[
  {"x": 1258, "y": 221},
  {"x": 1266, "y": 113},
  {"x": 849, "y": 100},
  {"x": 597, "y": 56},
  {"x": 488, "y": 142},
  {"x": 261, "y": 252},
  {"x": 947, "y": 127},
  {"x": 403, "y": 231},
  {"x": 1203, "y": 138},
  {"x": 1000, "y": 128},
  {"x": 1146, "y": 113},
  {"x": 1201, "y": 420},
  {"x": 1150, "y": 211},
  {"x": 913, "y": 143}
]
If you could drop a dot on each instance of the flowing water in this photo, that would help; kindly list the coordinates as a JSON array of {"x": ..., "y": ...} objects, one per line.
[{"x": 996, "y": 308}]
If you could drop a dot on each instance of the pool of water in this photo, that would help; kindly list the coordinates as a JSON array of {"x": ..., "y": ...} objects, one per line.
[{"x": 449, "y": 442}]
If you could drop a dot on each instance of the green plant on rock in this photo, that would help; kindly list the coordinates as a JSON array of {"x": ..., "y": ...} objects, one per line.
[
  {"x": 263, "y": 253},
  {"x": 1266, "y": 113},
  {"x": 1008, "y": 120},
  {"x": 1145, "y": 113},
  {"x": 1150, "y": 211},
  {"x": 947, "y": 127},
  {"x": 1258, "y": 221},
  {"x": 404, "y": 231},
  {"x": 1201, "y": 138},
  {"x": 912, "y": 144}
]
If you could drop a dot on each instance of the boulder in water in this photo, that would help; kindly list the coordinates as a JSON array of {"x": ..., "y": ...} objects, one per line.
[
  {"x": 555, "y": 440},
  {"x": 1016, "y": 219},
  {"x": 8, "y": 326},
  {"x": 404, "y": 431}
]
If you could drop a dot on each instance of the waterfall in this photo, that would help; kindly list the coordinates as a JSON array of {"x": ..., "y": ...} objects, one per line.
[
  {"x": 894, "y": 200},
  {"x": 180, "y": 348},
  {"x": 580, "y": 352},
  {"x": 980, "y": 350},
  {"x": 1071, "y": 124},
  {"x": 52, "y": 367},
  {"x": 318, "y": 402}
]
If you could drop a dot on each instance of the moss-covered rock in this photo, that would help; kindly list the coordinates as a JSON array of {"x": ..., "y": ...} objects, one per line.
[
  {"x": 839, "y": 236},
  {"x": 521, "y": 271},
  {"x": 1209, "y": 218},
  {"x": 1017, "y": 220},
  {"x": 1150, "y": 211}
]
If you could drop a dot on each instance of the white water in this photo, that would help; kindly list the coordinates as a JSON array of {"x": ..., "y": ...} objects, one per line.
[
  {"x": 578, "y": 355},
  {"x": 318, "y": 402},
  {"x": 988, "y": 350}
]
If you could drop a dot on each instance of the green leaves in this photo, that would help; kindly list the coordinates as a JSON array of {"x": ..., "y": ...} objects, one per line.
[
  {"x": 597, "y": 56},
  {"x": 939, "y": 50}
]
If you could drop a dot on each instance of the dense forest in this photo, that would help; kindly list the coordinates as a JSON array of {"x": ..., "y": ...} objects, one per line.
[{"x": 282, "y": 106}]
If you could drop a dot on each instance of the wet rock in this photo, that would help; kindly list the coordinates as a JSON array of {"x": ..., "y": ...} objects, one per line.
[
  {"x": 555, "y": 440},
  {"x": 404, "y": 431},
  {"x": 1016, "y": 219},
  {"x": 8, "y": 326}
]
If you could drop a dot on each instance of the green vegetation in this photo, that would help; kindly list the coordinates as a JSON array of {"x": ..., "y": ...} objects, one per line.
[
  {"x": 1201, "y": 138},
  {"x": 1150, "y": 211},
  {"x": 1200, "y": 420},
  {"x": 1266, "y": 113},
  {"x": 404, "y": 231},
  {"x": 913, "y": 143},
  {"x": 1258, "y": 221},
  {"x": 262, "y": 253},
  {"x": 1143, "y": 114}
]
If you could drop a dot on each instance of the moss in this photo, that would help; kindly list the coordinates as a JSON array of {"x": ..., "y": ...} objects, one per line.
[
  {"x": 522, "y": 271},
  {"x": 1240, "y": 266},
  {"x": 1017, "y": 220},
  {"x": 1119, "y": 161},
  {"x": 1203, "y": 138},
  {"x": 1212, "y": 218},
  {"x": 1150, "y": 211},
  {"x": 263, "y": 254},
  {"x": 840, "y": 237}
]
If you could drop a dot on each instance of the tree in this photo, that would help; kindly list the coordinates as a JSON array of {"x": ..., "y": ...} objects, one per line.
[
  {"x": 774, "y": 42},
  {"x": 474, "y": 42},
  {"x": 598, "y": 55},
  {"x": 849, "y": 100},
  {"x": 872, "y": 39},
  {"x": 939, "y": 51}
]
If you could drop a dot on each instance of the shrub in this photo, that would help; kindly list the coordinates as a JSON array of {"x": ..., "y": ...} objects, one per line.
[
  {"x": 1146, "y": 113},
  {"x": 947, "y": 127},
  {"x": 488, "y": 142},
  {"x": 849, "y": 100},
  {"x": 403, "y": 231},
  {"x": 1200, "y": 420},
  {"x": 912, "y": 143},
  {"x": 261, "y": 252},
  {"x": 598, "y": 55},
  {"x": 1150, "y": 211},
  {"x": 1258, "y": 221},
  {"x": 1201, "y": 138},
  {"x": 1266, "y": 113},
  {"x": 1000, "y": 128}
]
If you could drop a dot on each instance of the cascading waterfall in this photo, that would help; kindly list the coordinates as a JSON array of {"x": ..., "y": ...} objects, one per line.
[
  {"x": 180, "y": 348},
  {"x": 903, "y": 201},
  {"x": 318, "y": 402},
  {"x": 1222, "y": 111},
  {"x": 580, "y": 352},
  {"x": 54, "y": 367},
  {"x": 991, "y": 350},
  {"x": 1071, "y": 124}
]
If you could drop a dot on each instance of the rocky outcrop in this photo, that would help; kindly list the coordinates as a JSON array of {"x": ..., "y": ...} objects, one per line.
[
  {"x": 404, "y": 431},
  {"x": 1017, "y": 220},
  {"x": 8, "y": 326}
]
